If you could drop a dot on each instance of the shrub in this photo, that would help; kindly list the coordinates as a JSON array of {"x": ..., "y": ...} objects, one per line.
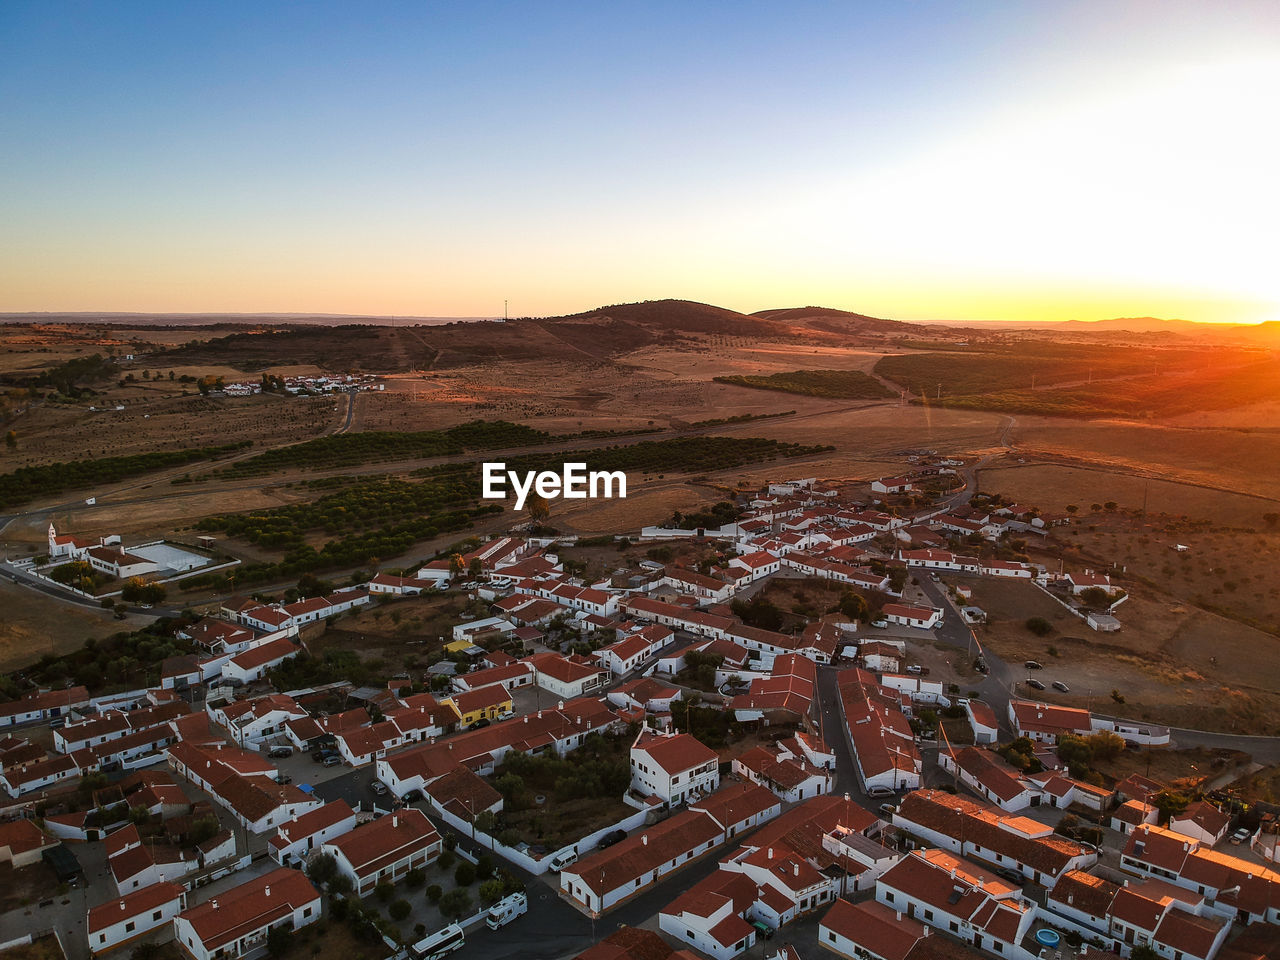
[
  {"x": 465, "y": 874},
  {"x": 455, "y": 904},
  {"x": 385, "y": 890},
  {"x": 491, "y": 890},
  {"x": 399, "y": 910},
  {"x": 415, "y": 878},
  {"x": 1040, "y": 626},
  {"x": 434, "y": 892},
  {"x": 446, "y": 859}
]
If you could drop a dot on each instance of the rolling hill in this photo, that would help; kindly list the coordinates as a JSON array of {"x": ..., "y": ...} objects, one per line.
[{"x": 831, "y": 320}]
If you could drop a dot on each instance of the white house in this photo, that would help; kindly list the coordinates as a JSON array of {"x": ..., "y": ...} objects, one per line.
[
  {"x": 236, "y": 922},
  {"x": 1203, "y": 822},
  {"x": 675, "y": 768},
  {"x": 908, "y": 615},
  {"x": 126, "y": 918},
  {"x": 952, "y": 894},
  {"x": 711, "y": 917},
  {"x": 296, "y": 839},
  {"x": 256, "y": 661},
  {"x": 385, "y": 849}
]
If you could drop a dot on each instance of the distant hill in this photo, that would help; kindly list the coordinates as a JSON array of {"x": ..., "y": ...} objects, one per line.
[
  {"x": 1257, "y": 333},
  {"x": 687, "y": 315},
  {"x": 832, "y": 320},
  {"x": 1132, "y": 325}
]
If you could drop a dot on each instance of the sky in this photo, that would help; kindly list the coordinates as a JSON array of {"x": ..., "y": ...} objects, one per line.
[{"x": 971, "y": 160}]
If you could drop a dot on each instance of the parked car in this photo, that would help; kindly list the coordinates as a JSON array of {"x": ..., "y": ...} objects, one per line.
[
  {"x": 482, "y": 722},
  {"x": 880, "y": 624},
  {"x": 1033, "y": 683},
  {"x": 763, "y": 929},
  {"x": 610, "y": 838},
  {"x": 1033, "y": 665},
  {"x": 379, "y": 788},
  {"x": 57, "y": 723},
  {"x": 880, "y": 792},
  {"x": 888, "y": 809},
  {"x": 280, "y": 752},
  {"x": 1059, "y": 685},
  {"x": 1241, "y": 836},
  {"x": 284, "y": 778},
  {"x": 413, "y": 796},
  {"x": 915, "y": 668},
  {"x": 562, "y": 860},
  {"x": 332, "y": 760}
]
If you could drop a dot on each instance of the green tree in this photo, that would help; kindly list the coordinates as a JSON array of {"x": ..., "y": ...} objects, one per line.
[
  {"x": 1105, "y": 745},
  {"x": 385, "y": 890},
  {"x": 322, "y": 869},
  {"x": 1076, "y": 753},
  {"x": 399, "y": 910},
  {"x": 475, "y": 568},
  {"x": 492, "y": 890},
  {"x": 465, "y": 874},
  {"x": 854, "y": 606},
  {"x": 539, "y": 508},
  {"x": 279, "y": 939},
  {"x": 434, "y": 893},
  {"x": 1039, "y": 626},
  {"x": 455, "y": 904}
]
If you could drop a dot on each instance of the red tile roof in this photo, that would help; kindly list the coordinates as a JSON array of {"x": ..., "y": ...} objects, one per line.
[
  {"x": 134, "y": 904},
  {"x": 251, "y": 906},
  {"x": 874, "y": 927},
  {"x": 674, "y": 753},
  {"x": 387, "y": 840}
]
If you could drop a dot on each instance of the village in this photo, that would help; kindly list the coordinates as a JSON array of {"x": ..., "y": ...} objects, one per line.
[{"x": 684, "y": 756}]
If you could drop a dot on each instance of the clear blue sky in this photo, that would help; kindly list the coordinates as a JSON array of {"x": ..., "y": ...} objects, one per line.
[{"x": 1022, "y": 160}]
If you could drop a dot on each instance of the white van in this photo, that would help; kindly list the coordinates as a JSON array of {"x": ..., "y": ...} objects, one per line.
[
  {"x": 439, "y": 944},
  {"x": 506, "y": 910},
  {"x": 562, "y": 860}
]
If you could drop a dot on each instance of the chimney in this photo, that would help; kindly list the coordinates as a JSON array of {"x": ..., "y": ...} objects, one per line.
[
  {"x": 770, "y": 853},
  {"x": 395, "y": 821},
  {"x": 796, "y": 870},
  {"x": 122, "y": 906},
  {"x": 266, "y": 891},
  {"x": 644, "y": 840},
  {"x": 214, "y": 903}
]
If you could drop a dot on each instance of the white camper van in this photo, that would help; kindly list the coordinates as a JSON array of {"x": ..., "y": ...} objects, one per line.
[{"x": 506, "y": 910}]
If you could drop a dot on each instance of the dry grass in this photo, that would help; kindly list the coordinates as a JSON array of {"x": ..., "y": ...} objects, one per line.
[
  {"x": 1178, "y": 769},
  {"x": 1171, "y": 662},
  {"x": 34, "y": 624},
  {"x": 1052, "y": 486}
]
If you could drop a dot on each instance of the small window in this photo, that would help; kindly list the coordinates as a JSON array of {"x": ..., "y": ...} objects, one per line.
[
  {"x": 831, "y": 936},
  {"x": 889, "y": 896},
  {"x": 128, "y": 927},
  {"x": 102, "y": 938},
  {"x": 156, "y": 915}
]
